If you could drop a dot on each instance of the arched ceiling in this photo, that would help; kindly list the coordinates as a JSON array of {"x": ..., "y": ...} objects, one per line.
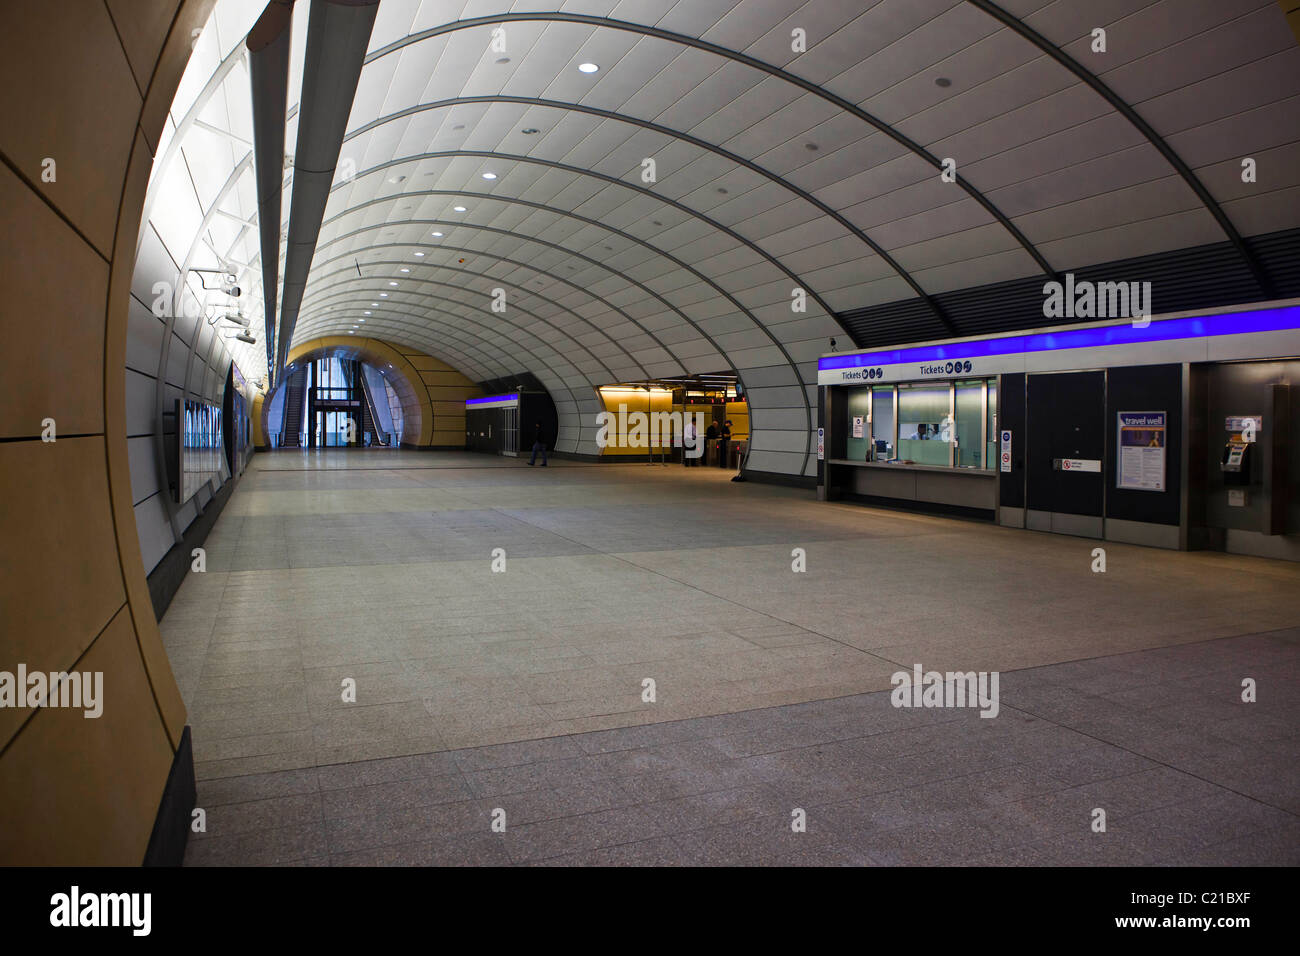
[{"x": 776, "y": 170}]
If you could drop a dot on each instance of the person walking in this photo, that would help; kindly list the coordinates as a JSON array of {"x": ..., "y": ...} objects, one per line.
[{"x": 539, "y": 444}]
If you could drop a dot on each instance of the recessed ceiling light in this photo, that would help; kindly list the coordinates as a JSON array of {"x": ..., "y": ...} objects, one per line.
[
  {"x": 404, "y": 269},
  {"x": 392, "y": 283},
  {"x": 723, "y": 190},
  {"x": 657, "y": 222},
  {"x": 374, "y": 303},
  {"x": 459, "y": 126},
  {"x": 367, "y": 311},
  {"x": 361, "y": 320},
  {"x": 528, "y": 131},
  {"x": 350, "y": 332},
  {"x": 943, "y": 81},
  {"x": 438, "y": 234},
  {"x": 587, "y": 68},
  {"x": 811, "y": 147},
  {"x": 503, "y": 59},
  {"x": 383, "y": 295},
  {"x": 397, "y": 179},
  {"x": 610, "y": 248},
  {"x": 458, "y": 208},
  {"x": 489, "y": 175},
  {"x": 419, "y": 255}
]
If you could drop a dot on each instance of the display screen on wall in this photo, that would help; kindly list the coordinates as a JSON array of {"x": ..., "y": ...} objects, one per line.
[
  {"x": 1141, "y": 451},
  {"x": 201, "y": 446}
]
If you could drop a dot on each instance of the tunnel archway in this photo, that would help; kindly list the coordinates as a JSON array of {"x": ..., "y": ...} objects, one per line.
[{"x": 405, "y": 378}]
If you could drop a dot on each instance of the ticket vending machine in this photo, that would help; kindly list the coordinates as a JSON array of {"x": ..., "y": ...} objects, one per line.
[{"x": 1236, "y": 463}]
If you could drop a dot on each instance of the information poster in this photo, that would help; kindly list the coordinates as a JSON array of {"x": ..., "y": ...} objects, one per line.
[
  {"x": 1141, "y": 451},
  {"x": 1006, "y": 450},
  {"x": 857, "y": 426}
]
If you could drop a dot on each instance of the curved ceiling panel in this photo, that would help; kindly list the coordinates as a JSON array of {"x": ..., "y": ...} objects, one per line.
[{"x": 781, "y": 175}]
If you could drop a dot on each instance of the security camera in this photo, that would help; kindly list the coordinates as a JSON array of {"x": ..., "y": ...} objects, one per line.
[{"x": 236, "y": 318}]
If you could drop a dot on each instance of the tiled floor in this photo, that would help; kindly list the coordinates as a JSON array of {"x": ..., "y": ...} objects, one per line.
[{"x": 523, "y": 691}]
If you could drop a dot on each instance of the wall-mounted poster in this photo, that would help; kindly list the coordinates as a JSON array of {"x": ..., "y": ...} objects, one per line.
[
  {"x": 857, "y": 426},
  {"x": 1141, "y": 451}
]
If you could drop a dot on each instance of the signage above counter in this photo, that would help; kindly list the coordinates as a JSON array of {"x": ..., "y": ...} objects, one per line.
[{"x": 1197, "y": 338}]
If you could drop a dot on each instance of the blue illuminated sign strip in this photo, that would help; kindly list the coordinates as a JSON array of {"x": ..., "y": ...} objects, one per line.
[
  {"x": 492, "y": 400},
  {"x": 1164, "y": 330}
]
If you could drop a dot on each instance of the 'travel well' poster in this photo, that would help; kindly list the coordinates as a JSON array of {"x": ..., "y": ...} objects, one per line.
[{"x": 1142, "y": 451}]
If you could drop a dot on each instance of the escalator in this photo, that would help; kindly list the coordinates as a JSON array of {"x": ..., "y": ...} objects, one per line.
[
  {"x": 293, "y": 405},
  {"x": 370, "y": 411}
]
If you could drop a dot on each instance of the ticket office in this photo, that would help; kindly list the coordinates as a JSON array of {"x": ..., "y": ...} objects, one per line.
[
  {"x": 949, "y": 424},
  {"x": 931, "y": 442}
]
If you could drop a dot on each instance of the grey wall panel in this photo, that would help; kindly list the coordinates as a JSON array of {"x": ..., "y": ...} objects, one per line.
[
  {"x": 139, "y": 403},
  {"x": 144, "y": 477},
  {"x": 155, "y": 531},
  {"x": 144, "y": 338}
]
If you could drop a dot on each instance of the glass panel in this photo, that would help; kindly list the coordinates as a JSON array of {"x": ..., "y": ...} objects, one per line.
[
  {"x": 882, "y": 421},
  {"x": 969, "y": 402},
  {"x": 924, "y": 424},
  {"x": 859, "y": 406},
  {"x": 992, "y": 458}
]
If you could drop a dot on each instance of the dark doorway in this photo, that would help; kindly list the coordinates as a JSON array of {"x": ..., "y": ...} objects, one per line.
[{"x": 1064, "y": 455}]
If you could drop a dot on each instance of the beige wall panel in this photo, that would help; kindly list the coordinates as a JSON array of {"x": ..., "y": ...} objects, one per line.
[
  {"x": 60, "y": 581},
  {"x": 86, "y": 790},
  {"x": 72, "y": 98},
  {"x": 427, "y": 363},
  {"x": 175, "y": 55},
  {"x": 56, "y": 286},
  {"x": 142, "y": 27},
  {"x": 453, "y": 409},
  {"x": 442, "y": 377}
]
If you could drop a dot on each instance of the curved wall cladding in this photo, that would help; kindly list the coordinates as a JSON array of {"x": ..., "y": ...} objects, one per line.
[
  {"x": 166, "y": 360},
  {"x": 431, "y": 392},
  {"x": 94, "y": 83},
  {"x": 201, "y": 207},
  {"x": 1184, "y": 280}
]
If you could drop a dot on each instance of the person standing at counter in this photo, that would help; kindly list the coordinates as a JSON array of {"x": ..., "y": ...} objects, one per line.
[{"x": 724, "y": 447}]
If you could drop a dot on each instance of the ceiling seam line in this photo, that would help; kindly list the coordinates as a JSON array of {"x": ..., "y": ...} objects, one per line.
[
  {"x": 653, "y": 249},
  {"x": 1135, "y": 119},
  {"x": 718, "y": 150},
  {"x": 746, "y": 60}
]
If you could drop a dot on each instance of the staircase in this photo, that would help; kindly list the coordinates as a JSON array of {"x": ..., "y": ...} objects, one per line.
[{"x": 295, "y": 388}]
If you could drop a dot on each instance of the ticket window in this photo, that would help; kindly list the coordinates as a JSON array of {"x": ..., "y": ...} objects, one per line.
[{"x": 882, "y": 422}]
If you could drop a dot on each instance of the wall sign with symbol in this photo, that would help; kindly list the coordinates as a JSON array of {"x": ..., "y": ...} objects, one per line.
[
  {"x": 821, "y": 444},
  {"x": 1006, "y": 449}
]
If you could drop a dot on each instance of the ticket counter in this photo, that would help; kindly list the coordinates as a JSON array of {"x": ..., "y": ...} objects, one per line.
[{"x": 1179, "y": 432}]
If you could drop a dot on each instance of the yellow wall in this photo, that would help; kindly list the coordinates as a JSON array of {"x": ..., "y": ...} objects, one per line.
[
  {"x": 738, "y": 412},
  {"x": 95, "y": 90},
  {"x": 636, "y": 400}
]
